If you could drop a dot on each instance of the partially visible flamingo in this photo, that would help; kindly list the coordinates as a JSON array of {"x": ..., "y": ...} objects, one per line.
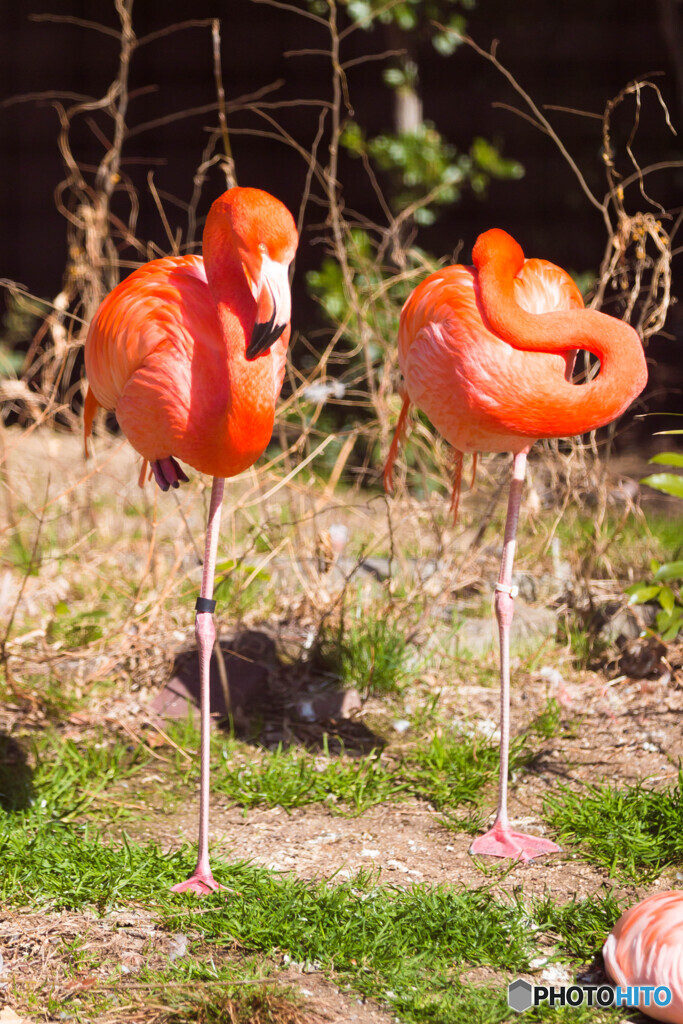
[
  {"x": 190, "y": 354},
  {"x": 645, "y": 947},
  {"x": 487, "y": 352}
]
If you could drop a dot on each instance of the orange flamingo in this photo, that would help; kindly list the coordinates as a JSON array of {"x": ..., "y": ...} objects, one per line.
[
  {"x": 190, "y": 354},
  {"x": 645, "y": 947},
  {"x": 487, "y": 352}
]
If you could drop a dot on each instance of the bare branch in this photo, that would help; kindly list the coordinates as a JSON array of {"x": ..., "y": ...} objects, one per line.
[
  {"x": 68, "y": 19},
  {"x": 177, "y": 27},
  {"x": 293, "y": 10},
  {"x": 490, "y": 56},
  {"x": 51, "y": 94},
  {"x": 229, "y": 167},
  {"x": 572, "y": 110}
]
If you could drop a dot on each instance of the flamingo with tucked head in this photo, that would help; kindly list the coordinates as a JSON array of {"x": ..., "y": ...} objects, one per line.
[
  {"x": 487, "y": 352},
  {"x": 189, "y": 352}
]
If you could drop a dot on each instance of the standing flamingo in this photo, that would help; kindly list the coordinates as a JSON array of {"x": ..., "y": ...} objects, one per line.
[
  {"x": 190, "y": 354},
  {"x": 487, "y": 353},
  {"x": 645, "y": 947}
]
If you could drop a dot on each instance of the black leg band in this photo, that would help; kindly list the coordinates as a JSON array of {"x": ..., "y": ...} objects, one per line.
[{"x": 205, "y": 604}]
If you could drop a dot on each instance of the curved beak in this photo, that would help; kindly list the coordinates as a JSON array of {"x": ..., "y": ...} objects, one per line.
[{"x": 273, "y": 306}]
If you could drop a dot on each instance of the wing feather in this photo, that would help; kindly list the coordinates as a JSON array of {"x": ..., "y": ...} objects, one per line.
[{"x": 164, "y": 303}]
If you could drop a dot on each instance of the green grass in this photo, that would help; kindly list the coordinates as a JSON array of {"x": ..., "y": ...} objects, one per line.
[
  {"x": 581, "y": 925},
  {"x": 403, "y": 946},
  {"x": 408, "y": 948},
  {"x": 631, "y": 541},
  {"x": 587, "y": 645},
  {"x": 264, "y": 1005},
  {"x": 372, "y": 653},
  {"x": 378, "y": 941},
  {"x": 450, "y": 771},
  {"x": 207, "y": 985},
  {"x": 62, "y": 780},
  {"x": 292, "y": 778},
  {"x": 76, "y": 630},
  {"x": 240, "y": 586},
  {"x": 632, "y": 832},
  {"x": 549, "y": 722}
]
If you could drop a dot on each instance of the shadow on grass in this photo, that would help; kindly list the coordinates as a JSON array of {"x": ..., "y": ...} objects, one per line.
[
  {"x": 16, "y": 776},
  {"x": 270, "y": 700}
]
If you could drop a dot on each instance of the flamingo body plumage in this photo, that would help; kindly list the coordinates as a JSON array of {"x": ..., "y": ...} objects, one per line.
[
  {"x": 189, "y": 352},
  {"x": 168, "y": 349},
  {"x": 487, "y": 352},
  {"x": 500, "y": 390},
  {"x": 645, "y": 947}
]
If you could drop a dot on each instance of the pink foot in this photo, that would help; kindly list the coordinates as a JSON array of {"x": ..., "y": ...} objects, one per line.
[
  {"x": 199, "y": 882},
  {"x": 503, "y": 842}
]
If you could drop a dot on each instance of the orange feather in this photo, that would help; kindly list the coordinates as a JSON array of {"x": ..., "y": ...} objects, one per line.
[
  {"x": 487, "y": 352},
  {"x": 169, "y": 348}
]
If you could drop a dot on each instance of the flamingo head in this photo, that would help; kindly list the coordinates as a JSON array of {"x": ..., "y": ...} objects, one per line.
[
  {"x": 497, "y": 246},
  {"x": 265, "y": 238}
]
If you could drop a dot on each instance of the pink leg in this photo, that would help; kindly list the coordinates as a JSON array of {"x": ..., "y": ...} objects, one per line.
[
  {"x": 501, "y": 840},
  {"x": 201, "y": 881}
]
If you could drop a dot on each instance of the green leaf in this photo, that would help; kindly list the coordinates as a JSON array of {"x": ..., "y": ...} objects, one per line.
[
  {"x": 446, "y": 42},
  {"x": 667, "y": 620},
  {"x": 667, "y": 599},
  {"x": 488, "y": 158},
  {"x": 669, "y": 458},
  {"x": 352, "y": 138},
  {"x": 640, "y": 593},
  {"x": 672, "y": 632},
  {"x": 226, "y": 565},
  {"x": 670, "y": 571},
  {"x": 668, "y": 483}
]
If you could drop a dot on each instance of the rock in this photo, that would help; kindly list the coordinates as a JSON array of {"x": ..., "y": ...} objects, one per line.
[
  {"x": 642, "y": 657},
  {"x": 246, "y": 659},
  {"x": 336, "y": 704}
]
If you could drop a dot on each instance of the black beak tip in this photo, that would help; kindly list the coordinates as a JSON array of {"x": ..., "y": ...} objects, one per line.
[{"x": 262, "y": 337}]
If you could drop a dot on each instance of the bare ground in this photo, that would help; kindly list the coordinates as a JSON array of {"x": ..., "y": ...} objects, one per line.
[{"x": 624, "y": 731}]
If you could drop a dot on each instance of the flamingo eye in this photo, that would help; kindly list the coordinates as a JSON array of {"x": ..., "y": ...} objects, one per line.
[{"x": 263, "y": 248}]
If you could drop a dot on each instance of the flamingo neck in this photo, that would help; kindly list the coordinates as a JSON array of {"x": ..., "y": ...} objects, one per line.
[
  {"x": 248, "y": 400},
  {"x": 623, "y": 371},
  {"x": 224, "y": 268}
]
